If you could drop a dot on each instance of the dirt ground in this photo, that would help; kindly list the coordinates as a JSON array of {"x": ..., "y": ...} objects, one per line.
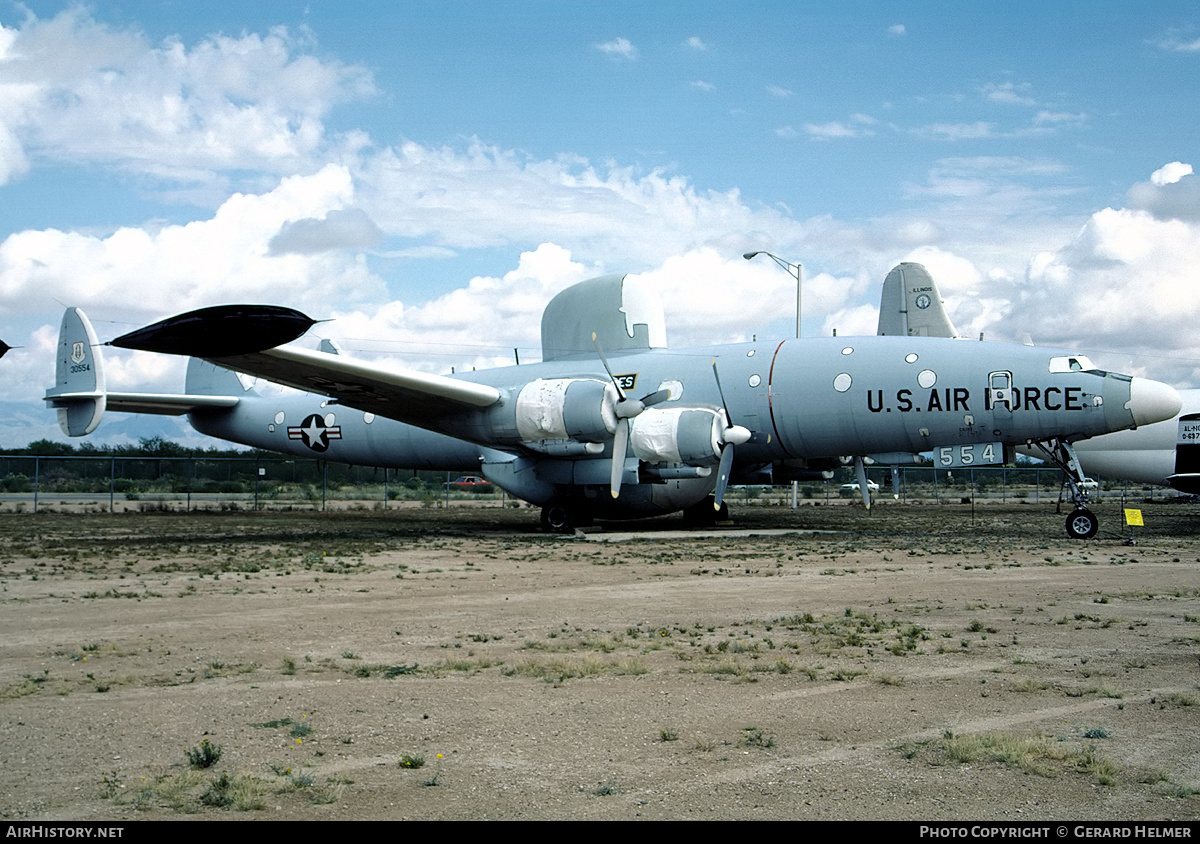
[{"x": 917, "y": 662}]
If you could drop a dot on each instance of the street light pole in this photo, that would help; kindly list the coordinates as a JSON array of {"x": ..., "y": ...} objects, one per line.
[{"x": 796, "y": 271}]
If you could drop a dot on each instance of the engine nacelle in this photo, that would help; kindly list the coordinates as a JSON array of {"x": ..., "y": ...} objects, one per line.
[
  {"x": 580, "y": 409},
  {"x": 691, "y": 435}
]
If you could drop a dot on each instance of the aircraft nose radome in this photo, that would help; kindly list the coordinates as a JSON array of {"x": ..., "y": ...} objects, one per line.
[{"x": 1152, "y": 401}]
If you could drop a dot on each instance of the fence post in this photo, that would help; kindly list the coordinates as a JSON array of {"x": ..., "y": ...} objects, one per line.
[{"x": 37, "y": 468}]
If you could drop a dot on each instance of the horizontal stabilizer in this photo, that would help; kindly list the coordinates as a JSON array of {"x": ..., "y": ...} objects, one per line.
[{"x": 166, "y": 404}]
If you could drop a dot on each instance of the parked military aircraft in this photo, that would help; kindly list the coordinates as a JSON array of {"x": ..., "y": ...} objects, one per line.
[{"x": 569, "y": 435}]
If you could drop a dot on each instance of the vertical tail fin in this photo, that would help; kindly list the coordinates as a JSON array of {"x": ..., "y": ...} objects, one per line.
[
  {"x": 912, "y": 306},
  {"x": 79, "y": 392}
]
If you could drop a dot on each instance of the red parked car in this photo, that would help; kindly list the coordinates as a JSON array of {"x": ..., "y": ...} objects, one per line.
[{"x": 470, "y": 483}]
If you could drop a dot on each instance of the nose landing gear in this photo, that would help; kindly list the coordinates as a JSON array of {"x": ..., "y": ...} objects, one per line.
[{"x": 1082, "y": 523}]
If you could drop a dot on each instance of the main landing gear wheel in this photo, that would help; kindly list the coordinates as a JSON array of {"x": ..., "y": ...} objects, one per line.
[
  {"x": 1082, "y": 524},
  {"x": 704, "y": 514},
  {"x": 557, "y": 519}
]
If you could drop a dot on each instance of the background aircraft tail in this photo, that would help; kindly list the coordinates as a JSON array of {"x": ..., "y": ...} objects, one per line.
[
  {"x": 78, "y": 393},
  {"x": 912, "y": 306}
]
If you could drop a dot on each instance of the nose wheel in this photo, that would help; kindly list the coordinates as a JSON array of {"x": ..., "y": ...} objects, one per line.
[{"x": 1082, "y": 524}]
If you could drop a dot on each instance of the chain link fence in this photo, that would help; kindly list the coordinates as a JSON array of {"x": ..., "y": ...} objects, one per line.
[{"x": 123, "y": 483}]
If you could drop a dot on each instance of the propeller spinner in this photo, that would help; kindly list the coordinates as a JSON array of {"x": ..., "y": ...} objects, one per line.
[{"x": 625, "y": 408}]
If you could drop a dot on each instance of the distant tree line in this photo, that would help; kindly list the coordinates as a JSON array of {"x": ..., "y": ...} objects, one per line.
[
  {"x": 156, "y": 463},
  {"x": 146, "y": 447}
]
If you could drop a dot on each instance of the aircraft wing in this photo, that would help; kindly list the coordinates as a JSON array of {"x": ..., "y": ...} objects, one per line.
[
  {"x": 404, "y": 395},
  {"x": 250, "y": 338}
]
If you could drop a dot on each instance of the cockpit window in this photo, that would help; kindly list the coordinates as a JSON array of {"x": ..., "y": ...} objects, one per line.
[{"x": 1073, "y": 363}]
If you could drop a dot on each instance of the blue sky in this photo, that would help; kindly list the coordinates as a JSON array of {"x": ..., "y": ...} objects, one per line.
[{"x": 429, "y": 174}]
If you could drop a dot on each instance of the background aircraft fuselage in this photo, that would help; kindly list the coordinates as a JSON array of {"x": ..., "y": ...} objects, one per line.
[{"x": 1164, "y": 453}]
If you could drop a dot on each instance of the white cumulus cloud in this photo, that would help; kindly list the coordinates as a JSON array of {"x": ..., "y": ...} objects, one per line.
[
  {"x": 72, "y": 89},
  {"x": 1168, "y": 174},
  {"x": 618, "y": 48}
]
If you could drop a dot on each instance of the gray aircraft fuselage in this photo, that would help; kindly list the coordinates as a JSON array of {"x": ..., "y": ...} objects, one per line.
[{"x": 801, "y": 400}]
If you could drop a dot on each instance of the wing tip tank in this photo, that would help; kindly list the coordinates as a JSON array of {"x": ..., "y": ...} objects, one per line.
[{"x": 220, "y": 331}]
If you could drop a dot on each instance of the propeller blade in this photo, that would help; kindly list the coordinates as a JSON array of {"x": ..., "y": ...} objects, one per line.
[
  {"x": 600, "y": 354},
  {"x": 630, "y": 408},
  {"x": 732, "y": 434},
  {"x": 723, "y": 471},
  {"x": 657, "y": 397},
  {"x": 620, "y": 446},
  {"x": 860, "y": 469},
  {"x": 721, "y": 392}
]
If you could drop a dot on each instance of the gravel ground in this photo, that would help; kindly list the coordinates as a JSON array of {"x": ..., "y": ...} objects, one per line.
[{"x": 914, "y": 663}]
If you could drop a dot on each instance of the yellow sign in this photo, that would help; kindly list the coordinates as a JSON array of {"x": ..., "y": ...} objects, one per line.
[{"x": 1134, "y": 517}]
